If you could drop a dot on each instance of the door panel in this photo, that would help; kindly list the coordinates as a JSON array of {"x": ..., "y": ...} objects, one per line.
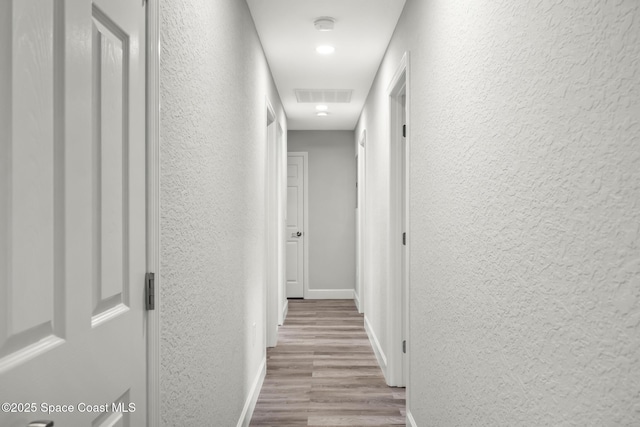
[
  {"x": 295, "y": 223},
  {"x": 118, "y": 416},
  {"x": 30, "y": 207},
  {"x": 292, "y": 207},
  {"x": 111, "y": 235},
  {"x": 72, "y": 211},
  {"x": 292, "y": 259}
]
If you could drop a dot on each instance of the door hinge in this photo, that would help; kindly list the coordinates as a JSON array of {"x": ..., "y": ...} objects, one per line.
[
  {"x": 404, "y": 346},
  {"x": 404, "y": 131},
  {"x": 150, "y": 291},
  {"x": 404, "y": 239}
]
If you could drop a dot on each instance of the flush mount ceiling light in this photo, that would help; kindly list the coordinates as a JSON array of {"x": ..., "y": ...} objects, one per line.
[
  {"x": 325, "y": 49},
  {"x": 322, "y": 107},
  {"x": 324, "y": 23},
  {"x": 322, "y": 114}
]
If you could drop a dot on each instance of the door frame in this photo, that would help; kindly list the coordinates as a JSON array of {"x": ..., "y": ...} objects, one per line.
[
  {"x": 153, "y": 206},
  {"x": 305, "y": 208},
  {"x": 281, "y": 150},
  {"x": 361, "y": 243},
  {"x": 271, "y": 256},
  {"x": 398, "y": 301}
]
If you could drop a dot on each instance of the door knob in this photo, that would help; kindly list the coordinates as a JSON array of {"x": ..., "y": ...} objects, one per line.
[
  {"x": 41, "y": 424},
  {"x": 298, "y": 234}
]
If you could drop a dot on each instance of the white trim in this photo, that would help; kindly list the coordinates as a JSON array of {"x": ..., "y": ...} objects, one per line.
[
  {"x": 397, "y": 275},
  {"x": 153, "y": 206},
  {"x": 399, "y": 74},
  {"x": 281, "y": 200},
  {"x": 377, "y": 348},
  {"x": 329, "y": 294},
  {"x": 361, "y": 244},
  {"x": 356, "y": 299},
  {"x": 271, "y": 113},
  {"x": 271, "y": 234},
  {"x": 410, "y": 420},
  {"x": 285, "y": 311},
  {"x": 407, "y": 225},
  {"x": 305, "y": 266},
  {"x": 363, "y": 138},
  {"x": 252, "y": 398}
]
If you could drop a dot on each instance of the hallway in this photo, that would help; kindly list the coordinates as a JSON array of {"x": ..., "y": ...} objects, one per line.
[
  {"x": 324, "y": 373},
  {"x": 464, "y": 173}
]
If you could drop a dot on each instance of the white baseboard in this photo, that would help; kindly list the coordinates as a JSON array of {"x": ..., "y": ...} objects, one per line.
[
  {"x": 375, "y": 344},
  {"x": 252, "y": 398},
  {"x": 329, "y": 294},
  {"x": 356, "y": 298},
  {"x": 285, "y": 311},
  {"x": 410, "y": 421}
]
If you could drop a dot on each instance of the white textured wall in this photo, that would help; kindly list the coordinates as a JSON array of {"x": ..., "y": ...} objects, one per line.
[
  {"x": 332, "y": 181},
  {"x": 214, "y": 80},
  {"x": 525, "y": 210}
]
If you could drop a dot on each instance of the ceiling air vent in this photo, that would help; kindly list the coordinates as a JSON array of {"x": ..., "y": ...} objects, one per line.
[{"x": 324, "y": 95}]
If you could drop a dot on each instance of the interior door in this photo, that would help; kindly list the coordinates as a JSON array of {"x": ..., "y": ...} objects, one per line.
[
  {"x": 72, "y": 212},
  {"x": 295, "y": 226}
]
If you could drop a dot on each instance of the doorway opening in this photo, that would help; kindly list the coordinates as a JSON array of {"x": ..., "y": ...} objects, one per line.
[
  {"x": 297, "y": 273},
  {"x": 361, "y": 234},
  {"x": 281, "y": 182},
  {"x": 399, "y": 227},
  {"x": 274, "y": 211}
]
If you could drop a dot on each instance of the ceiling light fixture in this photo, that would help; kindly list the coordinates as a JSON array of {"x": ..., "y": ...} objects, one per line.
[
  {"x": 322, "y": 114},
  {"x": 324, "y": 23},
  {"x": 322, "y": 107},
  {"x": 325, "y": 49}
]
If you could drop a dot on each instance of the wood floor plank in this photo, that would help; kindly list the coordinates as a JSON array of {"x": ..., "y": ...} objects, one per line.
[{"x": 324, "y": 373}]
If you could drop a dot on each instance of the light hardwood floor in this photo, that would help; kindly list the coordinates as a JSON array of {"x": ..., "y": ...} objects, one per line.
[{"x": 324, "y": 373}]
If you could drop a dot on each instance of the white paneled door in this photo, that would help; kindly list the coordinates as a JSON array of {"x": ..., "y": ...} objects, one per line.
[
  {"x": 295, "y": 226},
  {"x": 72, "y": 212}
]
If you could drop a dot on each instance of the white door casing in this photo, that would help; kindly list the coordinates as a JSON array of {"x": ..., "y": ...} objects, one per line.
[
  {"x": 296, "y": 235},
  {"x": 404, "y": 266},
  {"x": 72, "y": 211},
  {"x": 153, "y": 207},
  {"x": 398, "y": 280},
  {"x": 271, "y": 227},
  {"x": 361, "y": 234},
  {"x": 282, "y": 222}
]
